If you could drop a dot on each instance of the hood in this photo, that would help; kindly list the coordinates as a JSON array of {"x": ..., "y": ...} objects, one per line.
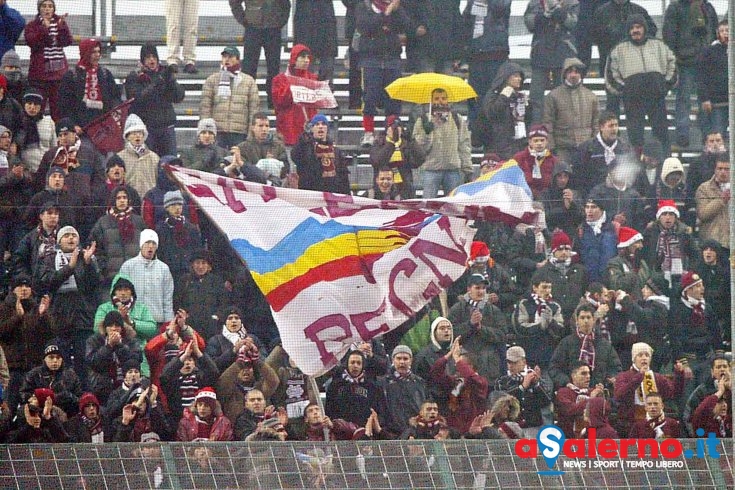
[
  {"x": 669, "y": 166},
  {"x": 119, "y": 277},
  {"x": 572, "y": 62},
  {"x": 637, "y": 19},
  {"x": 146, "y": 50},
  {"x": 433, "y": 329},
  {"x": 506, "y": 69},
  {"x": 598, "y": 409},
  {"x": 296, "y": 51},
  {"x": 560, "y": 167},
  {"x": 86, "y": 46}
]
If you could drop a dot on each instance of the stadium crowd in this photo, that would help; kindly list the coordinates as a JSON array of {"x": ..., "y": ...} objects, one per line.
[{"x": 126, "y": 316}]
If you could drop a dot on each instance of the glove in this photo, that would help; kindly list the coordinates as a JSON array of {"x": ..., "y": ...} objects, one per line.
[
  {"x": 428, "y": 127},
  {"x": 507, "y": 91}
]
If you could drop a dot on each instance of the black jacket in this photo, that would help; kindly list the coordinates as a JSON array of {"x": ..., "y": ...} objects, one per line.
[
  {"x": 310, "y": 168},
  {"x": 72, "y": 86},
  {"x": 64, "y": 382},
  {"x": 206, "y": 373},
  {"x": 155, "y": 94}
]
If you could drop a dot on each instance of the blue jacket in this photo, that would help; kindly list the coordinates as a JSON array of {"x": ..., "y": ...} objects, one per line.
[
  {"x": 596, "y": 251},
  {"x": 11, "y": 25}
]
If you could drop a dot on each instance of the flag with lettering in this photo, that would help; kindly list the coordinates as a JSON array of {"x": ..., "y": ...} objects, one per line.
[
  {"x": 106, "y": 131},
  {"x": 339, "y": 269}
]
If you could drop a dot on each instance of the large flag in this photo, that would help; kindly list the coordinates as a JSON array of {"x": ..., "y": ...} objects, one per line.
[
  {"x": 106, "y": 131},
  {"x": 339, "y": 269}
]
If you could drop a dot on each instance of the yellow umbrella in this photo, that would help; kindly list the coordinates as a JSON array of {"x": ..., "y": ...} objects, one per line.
[{"x": 417, "y": 88}]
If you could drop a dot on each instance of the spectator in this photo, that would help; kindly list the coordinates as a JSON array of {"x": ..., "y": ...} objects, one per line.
[
  {"x": 182, "y": 22},
  {"x": 116, "y": 235},
  {"x": 54, "y": 376},
  {"x": 179, "y": 237},
  {"x": 419, "y": 58},
  {"x": 538, "y": 321},
  {"x": 263, "y": 22},
  {"x": 25, "y": 327},
  {"x": 628, "y": 270},
  {"x": 568, "y": 278},
  {"x": 711, "y": 73},
  {"x": 586, "y": 345},
  {"x": 397, "y": 150},
  {"x": 445, "y": 139},
  {"x": 610, "y": 28},
  {"x": 224, "y": 347},
  {"x": 380, "y": 23},
  {"x": 38, "y": 242},
  {"x": 252, "y": 416},
  {"x": 702, "y": 168},
  {"x": 596, "y": 155},
  {"x": 15, "y": 192},
  {"x": 622, "y": 202},
  {"x": 716, "y": 279},
  {"x": 11, "y": 112},
  {"x": 712, "y": 199},
  {"x": 71, "y": 205},
  {"x": 41, "y": 423},
  {"x": 583, "y": 31},
  {"x": 597, "y": 239},
  {"x": 527, "y": 386},
  {"x": 320, "y": 163},
  {"x": 719, "y": 371},
  {"x": 384, "y": 189},
  {"x": 205, "y": 154},
  {"x": 37, "y": 134},
  {"x": 247, "y": 374},
  {"x": 404, "y": 392},
  {"x": 501, "y": 123},
  {"x": 563, "y": 205},
  {"x": 441, "y": 337},
  {"x": 142, "y": 418},
  {"x": 552, "y": 24},
  {"x": 572, "y": 400},
  {"x": 667, "y": 242},
  {"x": 688, "y": 29},
  {"x": 295, "y": 393},
  {"x": 467, "y": 390},
  {"x": 13, "y": 72},
  {"x": 235, "y": 167},
  {"x": 155, "y": 90},
  {"x": 230, "y": 97},
  {"x": 47, "y": 35},
  {"x": 203, "y": 420},
  {"x": 351, "y": 395},
  {"x": 647, "y": 182},
  {"x": 265, "y": 149},
  {"x": 291, "y": 117},
  {"x": 90, "y": 89},
  {"x": 656, "y": 425},
  {"x": 428, "y": 424},
  {"x": 315, "y": 25},
  {"x": 643, "y": 86},
  {"x": 500, "y": 422},
  {"x": 140, "y": 162},
  {"x": 119, "y": 396},
  {"x": 13, "y": 24},
  {"x": 714, "y": 414},
  {"x": 596, "y": 416},
  {"x": 570, "y": 110},
  {"x": 107, "y": 352},
  {"x": 485, "y": 34},
  {"x": 87, "y": 426},
  {"x": 536, "y": 160},
  {"x": 153, "y": 210},
  {"x": 115, "y": 176},
  {"x": 482, "y": 328}
]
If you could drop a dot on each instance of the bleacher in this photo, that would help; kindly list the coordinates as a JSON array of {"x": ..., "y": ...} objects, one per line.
[{"x": 130, "y": 23}]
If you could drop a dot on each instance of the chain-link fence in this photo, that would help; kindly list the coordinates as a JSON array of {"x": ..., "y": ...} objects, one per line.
[{"x": 381, "y": 465}]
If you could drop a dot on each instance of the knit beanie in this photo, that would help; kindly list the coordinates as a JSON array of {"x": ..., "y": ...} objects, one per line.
[
  {"x": 171, "y": 198},
  {"x": 135, "y": 123},
  {"x": 558, "y": 239},
  {"x": 206, "y": 124},
  {"x": 640, "y": 347},
  {"x": 10, "y": 58}
]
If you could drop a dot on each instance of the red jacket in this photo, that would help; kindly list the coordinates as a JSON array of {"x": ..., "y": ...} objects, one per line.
[
  {"x": 472, "y": 399},
  {"x": 643, "y": 430},
  {"x": 291, "y": 118},
  {"x": 37, "y": 37},
  {"x": 187, "y": 431},
  {"x": 627, "y": 382},
  {"x": 526, "y": 161},
  {"x": 704, "y": 419},
  {"x": 570, "y": 408}
]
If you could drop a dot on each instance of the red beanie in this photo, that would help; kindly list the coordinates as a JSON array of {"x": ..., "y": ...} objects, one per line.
[
  {"x": 558, "y": 239},
  {"x": 688, "y": 280},
  {"x": 86, "y": 399},
  {"x": 42, "y": 394}
]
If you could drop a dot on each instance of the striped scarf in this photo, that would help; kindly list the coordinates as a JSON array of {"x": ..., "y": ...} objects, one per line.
[
  {"x": 188, "y": 387},
  {"x": 53, "y": 54},
  {"x": 587, "y": 350}
]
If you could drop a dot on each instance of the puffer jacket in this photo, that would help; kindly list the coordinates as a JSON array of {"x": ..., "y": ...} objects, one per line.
[
  {"x": 291, "y": 118},
  {"x": 232, "y": 114},
  {"x": 112, "y": 252},
  {"x": 641, "y": 70},
  {"x": 221, "y": 425}
]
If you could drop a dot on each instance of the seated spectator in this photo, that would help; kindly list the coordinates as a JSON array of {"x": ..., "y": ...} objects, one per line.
[
  {"x": 667, "y": 242},
  {"x": 115, "y": 176},
  {"x": 87, "y": 426},
  {"x": 205, "y": 155},
  {"x": 42, "y": 422},
  {"x": 538, "y": 321},
  {"x": 53, "y": 375},
  {"x": 320, "y": 163},
  {"x": 119, "y": 396},
  {"x": 351, "y": 395},
  {"x": 224, "y": 347},
  {"x": 568, "y": 278},
  {"x": 318, "y": 427},
  {"x": 203, "y": 420},
  {"x": 482, "y": 327},
  {"x": 107, "y": 352},
  {"x": 404, "y": 392},
  {"x": 597, "y": 240},
  {"x": 141, "y": 163},
  {"x": 428, "y": 424},
  {"x": 116, "y": 235},
  {"x": 714, "y": 413},
  {"x": 672, "y": 187},
  {"x": 37, "y": 133},
  {"x": 562, "y": 204},
  {"x": 179, "y": 238},
  {"x": 629, "y": 270},
  {"x": 397, "y": 150},
  {"x": 184, "y": 375},
  {"x": 25, "y": 327},
  {"x": 536, "y": 160},
  {"x": 500, "y": 422},
  {"x": 632, "y": 387},
  {"x": 135, "y": 315},
  {"x": 385, "y": 188},
  {"x": 140, "y": 416},
  {"x": 153, "y": 210},
  {"x": 527, "y": 386},
  {"x": 596, "y": 417},
  {"x": 235, "y": 167},
  {"x": 702, "y": 168},
  {"x": 571, "y": 400},
  {"x": 467, "y": 390},
  {"x": 719, "y": 369},
  {"x": 712, "y": 198},
  {"x": 253, "y": 414},
  {"x": 656, "y": 425},
  {"x": 265, "y": 149}
]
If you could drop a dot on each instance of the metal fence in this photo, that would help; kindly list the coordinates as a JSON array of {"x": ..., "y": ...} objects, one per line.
[{"x": 382, "y": 465}]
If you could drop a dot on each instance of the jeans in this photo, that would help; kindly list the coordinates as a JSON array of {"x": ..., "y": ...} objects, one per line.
[
  {"x": 434, "y": 179},
  {"x": 687, "y": 87}
]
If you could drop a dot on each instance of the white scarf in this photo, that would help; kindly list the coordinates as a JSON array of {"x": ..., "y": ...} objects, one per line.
[
  {"x": 479, "y": 10},
  {"x": 233, "y": 337},
  {"x": 228, "y": 81},
  {"x": 609, "y": 150},
  {"x": 692, "y": 303},
  {"x": 62, "y": 259},
  {"x": 597, "y": 225}
]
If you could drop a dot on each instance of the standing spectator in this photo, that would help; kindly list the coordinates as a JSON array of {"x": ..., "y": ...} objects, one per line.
[
  {"x": 152, "y": 209},
  {"x": 41, "y": 423},
  {"x": 596, "y": 155},
  {"x": 622, "y": 203},
  {"x": 315, "y": 25},
  {"x": 71, "y": 206},
  {"x": 397, "y": 150},
  {"x": 570, "y": 112},
  {"x": 13, "y": 71},
  {"x": 441, "y": 336},
  {"x": 155, "y": 90},
  {"x": 418, "y": 43},
  {"x": 184, "y": 375},
  {"x": 648, "y": 180},
  {"x": 711, "y": 73},
  {"x": 224, "y": 347},
  {"x": 714, "y": 414},
  {"x": 53, "y": 375},
  {"x": 690, "y": 26},
  {"x": 404, "y": 391},
  {"x": 351, "y": 395},
  {"x": 141, "y": 164},
  {"x": 320, "y": 163},
  {"x": 11, "y": 113},
  {"x": 597, "y": 240},
  {"x": 551, "y": 22},
  {"x": 712, "y": 199},
  {"x": 716, "y": 279},
  {"x": 380, "y": 23},
  {"x": 702, "y": 168},
  {"x": 610, "y": 28},
  {"x": 248, "y": 374},
  {"x": 667, "y": 242},
  {"x": 485, "y": 47},
  {"x": 263, "y": 146},
  {"x": 37, "y": 243},
  {"x": 179, "y": 237},
  {"x": 568, "y": 278},
  {"x": 642, "y": 69},
  {"x": 719, "y": 373},
  {"x": 230, "y": 97},
  {"x": 182, "y": 23},
  {"x": 583, "y": 31},
  {"x": 203, "y": 419},
  {"x": 89, "y": 89},
  {"x": 15, "y": 191},
  {"x": 141, "y": 420},
  {"x": 536, "y": 160},
  {"x": 263, "y": 21},
  {"x": 445, "y": 138},
  {"x": 563, "y": 205},
  {"x": 87, "y": 426},
  {"x": 443, "y": 37},
  {"x": 628, "y": 270},
  {"x": 13, "y": 24},
  {"x": 47, "y": 35},
  {"x": 115, "y": 176},
  {"x": 37, "y": 134}
]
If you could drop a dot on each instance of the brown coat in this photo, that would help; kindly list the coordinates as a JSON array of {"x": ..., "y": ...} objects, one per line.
[
  {"x": 231, "y": 114},
  {"x": 232, "y": 397},
  {"x": 713, "y": 213}
]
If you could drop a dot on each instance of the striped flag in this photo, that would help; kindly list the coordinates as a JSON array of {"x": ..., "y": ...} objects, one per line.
[{"x": 339, "y": 269}]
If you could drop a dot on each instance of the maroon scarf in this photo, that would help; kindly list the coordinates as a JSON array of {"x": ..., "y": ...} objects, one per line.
[{"x": 124, "y": 223}]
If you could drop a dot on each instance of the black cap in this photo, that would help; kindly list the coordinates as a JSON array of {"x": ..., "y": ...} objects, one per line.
[
  {"x": 113, "y": 318},
  {"x": 48, "y": 205},
  {"x": 21, "y": 279},
  {"x": 477, "y": 279},
  {"x": 114, "y": 161},
  {"x": 201, "y": 254},
  {"x": 596, "y": 202},
  {"x": 64, "y": 124}
]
